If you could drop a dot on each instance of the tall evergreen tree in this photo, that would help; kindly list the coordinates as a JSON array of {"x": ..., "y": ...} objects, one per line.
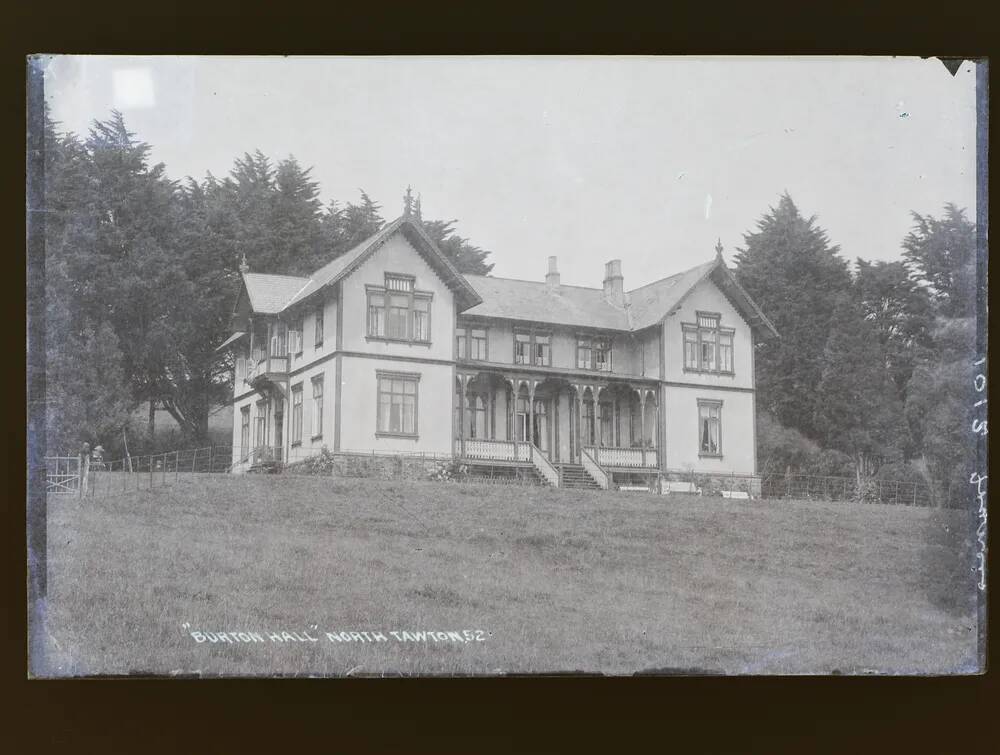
[
  {"x": 900, "y": 312},
  {"x": 467, "y": 257},
  {"x": 859, "y": 411},
  {"x": 942, "y": 253},
  {"x": 793, "y": 272}
]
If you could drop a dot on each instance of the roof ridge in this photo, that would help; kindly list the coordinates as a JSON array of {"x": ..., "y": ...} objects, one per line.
[
  {"x": 522, "y": 280},
  {"x": 668, "y": 277},
  {"x": 282, "y": 275}
]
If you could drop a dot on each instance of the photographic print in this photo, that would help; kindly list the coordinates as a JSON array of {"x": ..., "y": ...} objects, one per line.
[{"x": 450, "y": 366}]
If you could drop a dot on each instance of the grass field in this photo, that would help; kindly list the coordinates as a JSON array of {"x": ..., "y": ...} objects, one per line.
[{"x": 543, "y": 580}]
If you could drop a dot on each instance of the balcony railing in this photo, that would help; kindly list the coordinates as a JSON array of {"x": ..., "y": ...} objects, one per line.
[
  {"x": 495, "y": 450},
  {"x": 262, "y": 364},
  {"x": 631, "y": 458}
]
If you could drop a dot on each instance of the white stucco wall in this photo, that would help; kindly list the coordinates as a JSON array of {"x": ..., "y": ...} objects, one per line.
[
  {"x": 737, "y": 440},
  {"x": 359, "y": 396},
  {"x": 397, "y": 255},
  {"x": 706, "y": 297}
]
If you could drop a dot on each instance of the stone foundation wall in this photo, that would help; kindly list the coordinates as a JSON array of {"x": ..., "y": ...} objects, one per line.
[
  {"x": 384, "y": 467},
  {"x": 714, "y": 484}
]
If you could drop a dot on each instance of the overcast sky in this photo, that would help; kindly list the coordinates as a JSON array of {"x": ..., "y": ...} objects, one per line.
[{"x": 646, "y": 159}]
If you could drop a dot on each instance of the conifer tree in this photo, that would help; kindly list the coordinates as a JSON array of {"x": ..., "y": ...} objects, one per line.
[{"x": 796, "y": 276}]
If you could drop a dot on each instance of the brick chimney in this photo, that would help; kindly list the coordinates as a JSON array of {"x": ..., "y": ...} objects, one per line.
[
  {"x": 614, "y": 284},
  {"x": 552, "y": 276}
]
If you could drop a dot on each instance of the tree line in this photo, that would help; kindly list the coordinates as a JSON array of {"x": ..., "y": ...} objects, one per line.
[
  {"x": 141, "y": 272},
  {"x": 871, "y": 376}
]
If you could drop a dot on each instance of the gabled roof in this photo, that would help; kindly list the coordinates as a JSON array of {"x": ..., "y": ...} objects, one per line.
[
  {"x": 269, "y": 294},
  {"x": 346, "y": 263},
  {"x": 652, "y": 302},
  {"x": 646, "y": 306},
  {"x": 531, "y": 300}
]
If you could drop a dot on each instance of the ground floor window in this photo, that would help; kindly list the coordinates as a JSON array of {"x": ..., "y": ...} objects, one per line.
[
  {"x": 477, "y": 417},
  {"x": 245, "y": 429},
  {"x": 317, "y": 395},
  {"x": 397, "y": 403},
  {"x": 709, "y": 428},
  {"x": 297, "y": 413},
  {"x": 260, "y": 430}
]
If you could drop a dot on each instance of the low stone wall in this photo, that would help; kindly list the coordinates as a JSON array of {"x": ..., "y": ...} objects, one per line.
[
  {"x": 384, "y": 467},
  {"x": 714, "y": 484}
]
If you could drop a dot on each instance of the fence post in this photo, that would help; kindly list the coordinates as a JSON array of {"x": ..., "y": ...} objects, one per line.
[
  {"x": 177, "y": 465},
  {"x": 151, "y": 471},
  {"x": 211, "y": 449}
]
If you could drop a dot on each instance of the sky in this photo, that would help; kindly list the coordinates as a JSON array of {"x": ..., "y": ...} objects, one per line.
[{"x": 645, "y": 159}]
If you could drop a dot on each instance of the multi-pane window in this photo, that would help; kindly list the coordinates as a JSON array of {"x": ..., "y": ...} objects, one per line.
[
  {"x": 397, "y": 403},
  {"x": 477, "y": 343},
  {"x": 319, "y": 326},
  {"x": 470, "y": 343},
  {"x": 593, "y": 353},
  {"x": 260, "y": 427},
  {"x": 244, "y": 430},
  {"x": 296, "y": 341},
  {"x": 707, "y": 346},
  {"x": 398, "y": 312},
  {"x": 710, "y": 428},
  {"x": 531, "y": 347},
  {"x": 297, "y": 413},
  {"x": 317, "y": 414}
]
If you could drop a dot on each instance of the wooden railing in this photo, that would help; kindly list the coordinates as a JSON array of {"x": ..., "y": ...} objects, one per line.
[
  {"x": 634, "y": 458},
  {"x": 594, "y": 469},
  {"x": 495, "y": 450},
  {"x": 544, "y": 466}
]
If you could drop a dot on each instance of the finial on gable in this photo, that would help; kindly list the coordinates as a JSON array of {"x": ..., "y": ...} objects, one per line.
[
  {"x": 408, "y": 202},
  {"x": 416, "y": 209},
  {"x": 244, "y": 267},
  {"x": 718, "y": 249}
]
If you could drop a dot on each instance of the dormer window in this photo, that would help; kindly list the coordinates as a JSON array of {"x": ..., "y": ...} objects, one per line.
[
  {"x": 398, "y": 312},
  {"x": 708, "y": 347}
]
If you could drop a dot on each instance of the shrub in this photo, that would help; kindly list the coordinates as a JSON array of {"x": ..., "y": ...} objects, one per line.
[
  {"x": 449, "y": 471},
  {"x": 317, "y": 464}
]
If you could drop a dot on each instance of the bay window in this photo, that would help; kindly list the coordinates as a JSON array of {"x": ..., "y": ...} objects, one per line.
[
  {"x": 397, "y": 312},
  {"x": 708, "y": 347}
]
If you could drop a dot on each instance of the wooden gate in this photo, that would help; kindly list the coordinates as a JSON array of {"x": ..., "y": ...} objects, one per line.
[{"x": 62, "y": 474}]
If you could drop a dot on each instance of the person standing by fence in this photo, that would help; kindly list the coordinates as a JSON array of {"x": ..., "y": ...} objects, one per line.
[{"x": 84, "y": 468}]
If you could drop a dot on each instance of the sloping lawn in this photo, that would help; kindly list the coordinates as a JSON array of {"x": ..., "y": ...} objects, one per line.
[{"x": 538, "y": 580}]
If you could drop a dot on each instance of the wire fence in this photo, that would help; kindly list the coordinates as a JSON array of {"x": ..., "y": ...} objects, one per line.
[{"x": 69, "y": 476}]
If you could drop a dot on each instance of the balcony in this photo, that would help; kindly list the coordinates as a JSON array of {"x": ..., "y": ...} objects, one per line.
[
  {"x": 263, "y": 366},
  {"x": 624, "y": 458}
]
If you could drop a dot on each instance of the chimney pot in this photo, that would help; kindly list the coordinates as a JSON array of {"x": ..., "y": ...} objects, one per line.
[
  {"x": 552, "y": 277},
  {"x": 614, "y": 283}
]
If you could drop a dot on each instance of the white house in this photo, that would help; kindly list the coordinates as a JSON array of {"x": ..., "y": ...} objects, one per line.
[{"x": 388, "y": 349}]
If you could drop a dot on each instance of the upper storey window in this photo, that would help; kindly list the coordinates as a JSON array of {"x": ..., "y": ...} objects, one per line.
[
  {"x": 708, "y": 347},
  {"x": 532, "y": 347},
  {"x": 398, "y": 312},
  {"x": 470, "y": 343},
  {"x": 593, "y": 353}
]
